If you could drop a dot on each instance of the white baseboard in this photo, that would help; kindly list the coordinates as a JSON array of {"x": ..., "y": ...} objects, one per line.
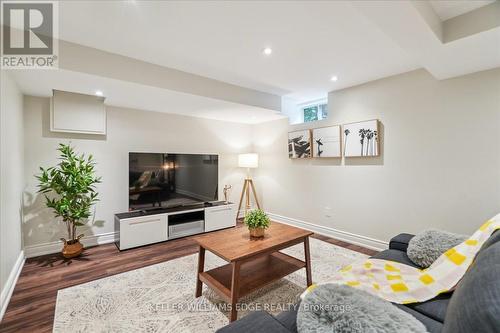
[
  {"x": 54, "y": 247},
  {"x": 8, "y": 289},
  {"x": 345, "y": 236}
]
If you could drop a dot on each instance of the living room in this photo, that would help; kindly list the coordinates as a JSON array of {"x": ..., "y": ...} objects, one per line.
[{"x": 187, "y": 166}]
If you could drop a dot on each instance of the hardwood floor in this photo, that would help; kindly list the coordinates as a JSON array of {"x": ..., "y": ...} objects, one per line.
[{"x": 32, "y": 306}]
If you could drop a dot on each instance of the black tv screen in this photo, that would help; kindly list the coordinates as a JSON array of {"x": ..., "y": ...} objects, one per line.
[{"x": 170, "y": 180}]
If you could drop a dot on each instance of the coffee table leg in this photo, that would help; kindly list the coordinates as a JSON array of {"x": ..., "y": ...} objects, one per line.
[
  {"x": 308, "y": 261},
  {"x": 201, "y": 267},
  {"x": 235, "y": 286}
]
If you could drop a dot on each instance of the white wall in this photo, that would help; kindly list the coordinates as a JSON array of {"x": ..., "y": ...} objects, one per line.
[
  {"x": 11, "y": 185},
  {"x": 128, "y": 130},
  {"x": 440, "y": 163},
  {"x": 290, "y": 108}
]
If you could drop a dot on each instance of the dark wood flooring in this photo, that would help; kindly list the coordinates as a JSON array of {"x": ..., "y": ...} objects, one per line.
[{"x": 32, "y": 306}]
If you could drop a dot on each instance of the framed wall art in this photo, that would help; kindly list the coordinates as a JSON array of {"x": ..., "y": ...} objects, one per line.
[
  {"x": 326, "y": 141},
  {"x": 299, "y": 144},
  {"x": 361, "y": 139}
]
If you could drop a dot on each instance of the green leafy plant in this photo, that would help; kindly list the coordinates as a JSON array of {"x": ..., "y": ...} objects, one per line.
[
  {"x": 257, "y": 219},
  {"x": 69, "y": 189}
]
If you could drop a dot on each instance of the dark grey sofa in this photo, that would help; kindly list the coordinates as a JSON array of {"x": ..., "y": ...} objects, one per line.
[{"x": 474, "y": 306}]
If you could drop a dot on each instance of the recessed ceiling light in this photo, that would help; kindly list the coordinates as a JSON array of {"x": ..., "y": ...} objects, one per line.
[
  {"x": 267, "y": 51},
  {"x": 99, "y": 93},
  {"x": 334, "y": 78}
]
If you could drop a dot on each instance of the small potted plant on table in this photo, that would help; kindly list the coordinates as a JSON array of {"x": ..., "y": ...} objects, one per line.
[
  {"x": 69, "y": 190},
  {"x": 257, "y": 221}
]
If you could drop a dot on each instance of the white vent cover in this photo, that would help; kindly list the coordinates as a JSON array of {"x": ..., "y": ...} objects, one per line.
[{"x": 77, "y": 113}]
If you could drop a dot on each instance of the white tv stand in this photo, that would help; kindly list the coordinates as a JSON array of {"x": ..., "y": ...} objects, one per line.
[{"x": 140, "y": 228}]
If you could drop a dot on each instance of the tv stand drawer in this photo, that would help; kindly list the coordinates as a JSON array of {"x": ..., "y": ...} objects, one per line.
[
  {"x": 220, "y": 217},
  {"x": 143, "y": 230}
]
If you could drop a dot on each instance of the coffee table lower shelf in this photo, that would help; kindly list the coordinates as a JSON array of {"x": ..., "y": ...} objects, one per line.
[{"x": 254, "y": 274}]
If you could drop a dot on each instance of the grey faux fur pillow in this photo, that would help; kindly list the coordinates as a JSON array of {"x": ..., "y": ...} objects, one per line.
[
  {"x": 335, "y": 308},
  {"x": 428, "y": 245}
]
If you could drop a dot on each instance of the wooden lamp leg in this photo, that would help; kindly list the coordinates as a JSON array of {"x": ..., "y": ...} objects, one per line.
[
  {"x": 243, "y": 191},
  {"x": 247, "y": 194},
  {"x": 254, "y": 194}
]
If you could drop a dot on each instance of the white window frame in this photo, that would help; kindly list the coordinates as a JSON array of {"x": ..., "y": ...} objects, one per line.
[{"x": 316, "y": 103}]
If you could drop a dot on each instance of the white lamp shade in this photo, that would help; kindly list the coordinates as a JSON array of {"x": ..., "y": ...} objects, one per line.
[{"x": 248, "y": 160}]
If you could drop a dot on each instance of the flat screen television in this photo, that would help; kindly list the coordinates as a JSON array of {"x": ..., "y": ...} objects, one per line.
[{"x": 163, "y": 180}]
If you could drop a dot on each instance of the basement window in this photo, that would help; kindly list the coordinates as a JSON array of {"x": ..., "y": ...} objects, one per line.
[{"x": 315, "y": 111}]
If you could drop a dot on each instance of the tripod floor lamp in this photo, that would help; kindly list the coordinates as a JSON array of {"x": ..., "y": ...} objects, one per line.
[{"x": 249, "y": 161}]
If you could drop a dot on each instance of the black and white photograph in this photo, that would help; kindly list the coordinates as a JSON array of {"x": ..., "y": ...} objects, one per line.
[
  {"x": 361, "y": 139},
  {"x": 326, "y": 141},
  {"x": 299, "y": 144}
]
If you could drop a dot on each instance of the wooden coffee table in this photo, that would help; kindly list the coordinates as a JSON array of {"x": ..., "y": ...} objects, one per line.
[{"x": 252, "y": 263}]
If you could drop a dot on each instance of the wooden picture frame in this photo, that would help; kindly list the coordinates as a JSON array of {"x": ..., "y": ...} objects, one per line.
[
  {"x": 361, "y": 139},
  {"x": 327, "y": 142},
  {"x": 299, "y": 144}
]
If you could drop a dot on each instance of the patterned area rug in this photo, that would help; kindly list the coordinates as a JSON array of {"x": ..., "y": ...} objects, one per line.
[{"x": 160, "y": 298}]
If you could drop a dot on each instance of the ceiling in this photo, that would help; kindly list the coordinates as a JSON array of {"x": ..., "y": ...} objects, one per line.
[
  {"x": 447, "y": 9},
  {"x": 311, "y": 41},
  {"x": 136, "y": 96}
]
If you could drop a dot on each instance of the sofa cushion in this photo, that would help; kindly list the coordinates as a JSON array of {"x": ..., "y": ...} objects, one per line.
[
  {"x": 432, "y": 326},
  {"x": 289, "y": 318},
  {"x": 429, "y": 245},
  {"x": 400, "y": 242},
  {"x": 430, "y": 313},
  {"x": 395, "y": 255},
  {"x": 255, "y": 322},
  {"x": 475, "y": 305},
  {"x": 492, "y": 240},
  {"x": 434, "y": 308},
  {"x": 341, "y": 308}
]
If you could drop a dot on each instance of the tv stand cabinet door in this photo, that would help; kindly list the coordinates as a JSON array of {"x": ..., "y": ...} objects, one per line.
[
  {"x": 220, "y": 217},
  {"x": 143, "y": 230}
]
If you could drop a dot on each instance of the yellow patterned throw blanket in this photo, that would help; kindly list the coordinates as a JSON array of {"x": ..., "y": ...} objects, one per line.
[{"x": 403, "y": 284}]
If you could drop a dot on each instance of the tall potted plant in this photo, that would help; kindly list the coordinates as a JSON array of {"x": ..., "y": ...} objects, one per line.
[{"x": 69, "y": 189}]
